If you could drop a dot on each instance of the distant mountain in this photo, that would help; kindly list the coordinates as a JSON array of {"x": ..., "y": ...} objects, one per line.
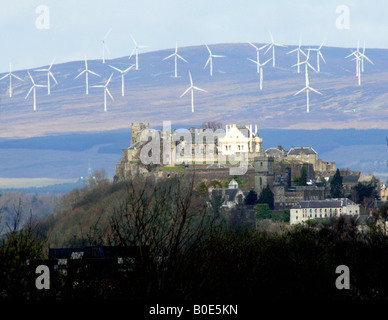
[{"x": 233, "y": 96}]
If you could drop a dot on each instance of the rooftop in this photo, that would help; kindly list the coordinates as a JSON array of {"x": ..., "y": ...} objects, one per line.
[{"x": 327, "y": 203}]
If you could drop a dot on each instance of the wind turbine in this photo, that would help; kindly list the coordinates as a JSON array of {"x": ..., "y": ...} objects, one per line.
[
  {"x": 260, "y": 66},
  {"x": 258, "y": 54},
  {"x": 299, "y": 51},
  {"x": 49, "y": 75},
  {"x": 136, "y": 51},
  {"x": 359, "y": 57},
  {"x": 104, "y": 46},
  {"x": 210, "y": 60},
  {"x": 273, "y": 45},
  {"x": 106, "y": 90},
  {"x": 87, "y": 71},
  {"x": 319, "y": 54},
  {"x": 176, "y": 56},
  {"x": 33, "y": 88},
  {"x": 123, "y": 73},
  {"x": 192, "y": 88},
  {"x": 307, "y": 83},
  {"x": 10, "y": 75}
]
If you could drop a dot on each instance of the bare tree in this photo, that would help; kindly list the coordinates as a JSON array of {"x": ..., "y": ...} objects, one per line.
[{"x": 159, "y": 214}]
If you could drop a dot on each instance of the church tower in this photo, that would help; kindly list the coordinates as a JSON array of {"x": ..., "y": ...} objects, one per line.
[{"x": 264, "y": 171}]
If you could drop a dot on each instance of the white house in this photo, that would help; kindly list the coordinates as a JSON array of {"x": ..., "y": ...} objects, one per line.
[
  {"x": 239, "y": 139},
  {"x": 321, "y": 209}
]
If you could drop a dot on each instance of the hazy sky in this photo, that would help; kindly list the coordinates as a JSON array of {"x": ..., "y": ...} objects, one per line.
[{"x": 75, "y": 26}]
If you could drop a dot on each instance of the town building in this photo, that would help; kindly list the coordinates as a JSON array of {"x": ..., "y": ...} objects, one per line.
[
  {"x": 231, "y": 196},
  {"x": 322, "y": 209}
]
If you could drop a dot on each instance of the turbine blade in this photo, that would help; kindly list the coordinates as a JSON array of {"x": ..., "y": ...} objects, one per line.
[
  {"x": 106, "y": 84},
  {"x": 315, "y": 90},
  {"x": 15, "y": 76},
  {"x": 253, "y": 45},
  {"x": 107, "y": 34},
  {"x": 170, "y": 56},
  {"x": 52, "y": 76},
  {"x": 300, "y": 91},
  {"x": 52, "y": 62},
  {"x": 129, "y": 68},
  {"x": 293, "y": 50},
  {"x": 29, "y": 92},
  {"x": 8, "y": 74},
  {"x": 107, "y": 90},
  {"x": 182, "y": 58},
  {"x": 117, "y": 69},
  {"x": 93, "y": 73},
  {"x": 207, "y": 62},
  {"x": 80, "y": 74},
  {"x": 320, "y": 54},
  {"x": 187, "y": 90},
  {"x": 254, "y": 61},
  {"x": 269, "y": 48},
  {"x": 266, "y": 62},
  {"x": 32, "y": 80},
  {"x": 196, "y": 88}
]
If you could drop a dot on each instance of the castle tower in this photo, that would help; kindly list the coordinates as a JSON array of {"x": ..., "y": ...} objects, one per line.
[
  {"x": 264, "y": 171},
  {"x": 136, "y": 131}
]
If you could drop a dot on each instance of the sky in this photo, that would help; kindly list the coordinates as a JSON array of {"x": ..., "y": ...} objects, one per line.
[{"x": 34, "y": 32}]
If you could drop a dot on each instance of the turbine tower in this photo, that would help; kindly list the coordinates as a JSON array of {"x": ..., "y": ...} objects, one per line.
[
  {"x": 10, "y": 75},
  {"x": 299, "y": 51},
  {"x": 106, "y": 90},
  {"x": 33, "y": 88},
  {"x": 104, "y": 45},
  {"x": 123, "y": 73},
  {"x": 210, "y": 60},
  {"x": 192, "y": 88},
  {"x": 319, "y": 54},
  {"x": 136, "y": 51},
  {"x": 87, "y": 71},
  {"x": 307, "y": 83},
  {"x": 49, "y": 75},
  {"x": 258, "y": 54},
  {"x": 260, "y": 66},
  {"x": 273, "y": 45},
  {"x": 176, "y": 56}
]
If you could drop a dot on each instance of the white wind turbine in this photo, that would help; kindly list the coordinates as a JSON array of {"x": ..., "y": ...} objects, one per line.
[
  {"x": 260, "y": 66},
  {"x": 87, "y": 71},
  {"x": 299, "y": 51},
  {"x": 33, "y": 88},
  {"x": 123, "y": 73},
  {"x": 210, "y": 60},
  {"x": 10, "y": 75},
  {"x": 106, "y": 90},
  {"x": 192, "y": 88},
  {"x": 258, "y": 54},
  {"x": 319, "y": 54},
  {"x": 104, "y": 45},
  {"x": 359, "y": 57},
  {"x": 272, "y": 45},
  {"x": 176, "y": 56},
  {"x": 136, "y": 51},
  {"x": 307, "y": 82},
  {"x": 49, "y": 75}
]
